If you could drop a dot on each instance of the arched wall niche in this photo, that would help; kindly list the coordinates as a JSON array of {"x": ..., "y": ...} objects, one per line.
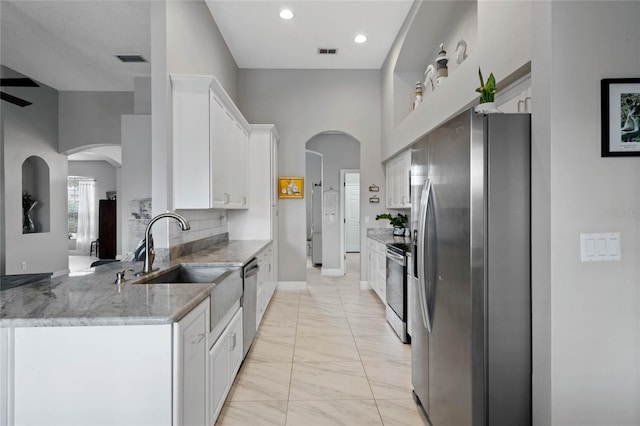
[{"x": 36, "y": 187}]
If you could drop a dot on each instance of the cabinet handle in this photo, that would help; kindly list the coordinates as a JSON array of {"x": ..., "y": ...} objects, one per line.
[
  {"x": 198, "y": 339},
  {"x": 226, "y": 198},
  {"x": 232, "y": 340},
  {"x": 244, "y": 201}
]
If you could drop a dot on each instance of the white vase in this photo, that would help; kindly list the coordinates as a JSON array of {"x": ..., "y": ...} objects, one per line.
[{"x": 487, "y": 108}]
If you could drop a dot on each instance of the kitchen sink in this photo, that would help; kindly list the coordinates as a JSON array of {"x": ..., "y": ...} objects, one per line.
[{"x": 184, "y": 273}]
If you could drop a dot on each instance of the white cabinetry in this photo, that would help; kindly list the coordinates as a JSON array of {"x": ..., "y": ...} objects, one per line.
[
  {"x": 112, "y": 374},
  {"x": 398, "y": 181},
  {"x": 377, "y": 268},
  {"x": 225, "y": 358},
  {"x": 210, "y": 146},
  {"x": 260, "y": 220},
  {"x": 266, "y": 282},
  {"x": 190, "y": 362}
]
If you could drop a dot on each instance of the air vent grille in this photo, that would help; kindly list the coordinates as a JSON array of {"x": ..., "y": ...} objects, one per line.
[
  {"x": 131, "y": 58},
  {"x": 327, "y": 51}
]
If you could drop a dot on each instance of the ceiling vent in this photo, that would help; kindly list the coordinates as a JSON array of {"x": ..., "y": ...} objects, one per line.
[
  {"x": 327, "y": 51},
  {"x": 131, "y": 58}
]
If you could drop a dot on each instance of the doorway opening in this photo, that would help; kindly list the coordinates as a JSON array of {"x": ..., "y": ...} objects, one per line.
[
  {"x": 332, "y": 163},
  {"x": 350, "y": 200}
]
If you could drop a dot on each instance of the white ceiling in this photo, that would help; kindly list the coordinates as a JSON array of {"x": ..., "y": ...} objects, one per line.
[
  {"x": 70, "y": 44},
  {"x": 259, "y": 38}
]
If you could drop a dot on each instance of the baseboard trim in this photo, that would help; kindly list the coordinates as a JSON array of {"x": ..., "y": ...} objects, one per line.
[
  {"x": 292, "y": 285},
  {"x": 364, "y": 285},
  {"x": 331, "y": 272},
  {"x": 60, "y": 273}
]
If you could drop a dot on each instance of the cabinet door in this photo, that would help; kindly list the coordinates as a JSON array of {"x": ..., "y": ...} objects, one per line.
[
  {"x": 403, "y": 176},
  {"x": 219, "y": 382},
  {"x": 237, "y": 143},
  {"x": 192, "y": 332},
  {"x": 217, "y": 135},
  {"x": 390, "y": 182},
  {"x": 234, "y": 341}
]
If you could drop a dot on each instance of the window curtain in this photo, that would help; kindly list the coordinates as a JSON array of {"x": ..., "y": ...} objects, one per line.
[{"x": 86, "y": 215}]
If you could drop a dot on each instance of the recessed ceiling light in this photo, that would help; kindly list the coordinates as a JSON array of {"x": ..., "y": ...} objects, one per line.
[
  {"x": 286, "y": 14},
  {"x": 360, "y": 38}
]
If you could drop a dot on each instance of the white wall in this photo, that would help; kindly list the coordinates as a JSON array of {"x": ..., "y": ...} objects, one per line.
[
  {"x": 91, "y": 118},
  {"x": 28, "y": 131},
  {"x": 302, "y": 104},
  {"x": 313, "y": 176},
  {"x": 136, "y": 169},
  {"x": 590, "y": 311},
  {"x": 501, "y": 44},
  {"x": 340, "y": 151},
  {"x": 184, "y": 40}
]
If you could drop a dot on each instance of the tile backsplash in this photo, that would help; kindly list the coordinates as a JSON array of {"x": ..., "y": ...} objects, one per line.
[{"x": 204, "y": 224}]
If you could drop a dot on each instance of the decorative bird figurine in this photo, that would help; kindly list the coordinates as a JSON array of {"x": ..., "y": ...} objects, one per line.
[{"x": 428, "y": 76}]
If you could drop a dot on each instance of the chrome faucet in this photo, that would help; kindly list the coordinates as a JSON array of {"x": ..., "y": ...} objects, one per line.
[{"x": 149, "y": 252}]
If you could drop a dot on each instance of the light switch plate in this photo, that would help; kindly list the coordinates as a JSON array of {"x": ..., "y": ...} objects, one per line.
[{"x": 604, "y": 247}]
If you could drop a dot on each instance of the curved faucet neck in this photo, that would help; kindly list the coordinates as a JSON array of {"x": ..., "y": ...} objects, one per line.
[{"x": 149, "y": 254}]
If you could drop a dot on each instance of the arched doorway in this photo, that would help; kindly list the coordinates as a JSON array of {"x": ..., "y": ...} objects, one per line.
[{"x": 332, "y": 158}]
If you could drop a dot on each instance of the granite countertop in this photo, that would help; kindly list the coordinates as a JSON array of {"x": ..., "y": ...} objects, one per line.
[
  {"x": 90, "y": 297},
  {"x": 385, "y": 236}
]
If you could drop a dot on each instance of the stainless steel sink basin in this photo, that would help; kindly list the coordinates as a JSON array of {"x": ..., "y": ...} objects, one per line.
[{"x": 187, "y": 274}]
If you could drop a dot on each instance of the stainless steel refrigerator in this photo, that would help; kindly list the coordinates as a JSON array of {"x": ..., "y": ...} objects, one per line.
[{"x": 471, "y": 345}]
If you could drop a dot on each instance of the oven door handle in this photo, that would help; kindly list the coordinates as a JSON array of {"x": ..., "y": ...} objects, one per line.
[{"x": 396, "y": 257}]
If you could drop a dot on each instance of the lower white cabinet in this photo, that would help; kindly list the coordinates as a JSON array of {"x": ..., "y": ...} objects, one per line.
[
  {"x": 377, "y": 268},
  {"x": 225, "y": 358},
  {"x": 190, "y": 355},
  {"x": 266, "y": 281}
]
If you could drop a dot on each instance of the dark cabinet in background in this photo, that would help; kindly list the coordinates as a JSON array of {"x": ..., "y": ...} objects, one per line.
[{"x": 107, "y": 229}]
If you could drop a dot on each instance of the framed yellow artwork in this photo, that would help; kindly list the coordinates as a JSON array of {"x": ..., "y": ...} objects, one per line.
[{"x": 290, "y": 187}]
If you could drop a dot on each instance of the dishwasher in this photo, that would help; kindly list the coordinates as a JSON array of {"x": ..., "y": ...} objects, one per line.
[{"x": 249, "y": 296}]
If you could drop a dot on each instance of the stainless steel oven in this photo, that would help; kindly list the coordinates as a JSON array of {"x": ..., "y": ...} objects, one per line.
[{"x": 397, "y": 289}]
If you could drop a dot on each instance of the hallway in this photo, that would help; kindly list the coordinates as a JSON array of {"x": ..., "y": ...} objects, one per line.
[{"x": 324, "y": 356}]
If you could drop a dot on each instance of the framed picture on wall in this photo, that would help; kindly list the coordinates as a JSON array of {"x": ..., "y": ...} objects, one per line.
[
  {"x": 290, "y": 187},
  {"x": 620, "y": 105}
]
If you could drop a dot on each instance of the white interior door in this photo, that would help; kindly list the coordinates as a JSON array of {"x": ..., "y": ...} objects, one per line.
[{"x": 352, "y": 212}]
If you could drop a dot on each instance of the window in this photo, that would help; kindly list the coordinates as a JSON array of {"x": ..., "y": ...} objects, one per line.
[{"x": 73, "y": 202}]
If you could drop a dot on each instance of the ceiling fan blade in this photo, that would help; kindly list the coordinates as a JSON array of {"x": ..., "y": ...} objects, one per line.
[
  {"x": 12, "y": 99},
  {"x": 18, "y": 82}
]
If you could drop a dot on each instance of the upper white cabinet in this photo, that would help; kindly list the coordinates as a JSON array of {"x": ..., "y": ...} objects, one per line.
[
  {"x": 398, "y": 181},
  {"x": 210, "y": 146},
  {"x": 260, "y": 220}
]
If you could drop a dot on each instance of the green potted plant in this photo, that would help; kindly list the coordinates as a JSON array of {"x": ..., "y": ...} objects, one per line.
[
  {"x": 487, "y": 92},
  {"x": 398, "y": 222}
]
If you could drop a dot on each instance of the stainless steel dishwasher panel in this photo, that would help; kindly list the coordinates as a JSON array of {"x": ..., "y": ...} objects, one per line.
[{"x": 249, "y": 296}]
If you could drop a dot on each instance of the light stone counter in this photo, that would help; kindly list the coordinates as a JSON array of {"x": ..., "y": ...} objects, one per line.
[
  {"x": 91, "y": 298},
  {"x": 385, "y": 236}
]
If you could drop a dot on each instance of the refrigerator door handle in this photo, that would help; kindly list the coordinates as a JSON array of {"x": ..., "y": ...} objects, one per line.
[{"x": 422, "y": 282}]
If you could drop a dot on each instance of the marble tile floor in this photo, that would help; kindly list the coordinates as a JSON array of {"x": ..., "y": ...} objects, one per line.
[{"x": 324, "y": 356}]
